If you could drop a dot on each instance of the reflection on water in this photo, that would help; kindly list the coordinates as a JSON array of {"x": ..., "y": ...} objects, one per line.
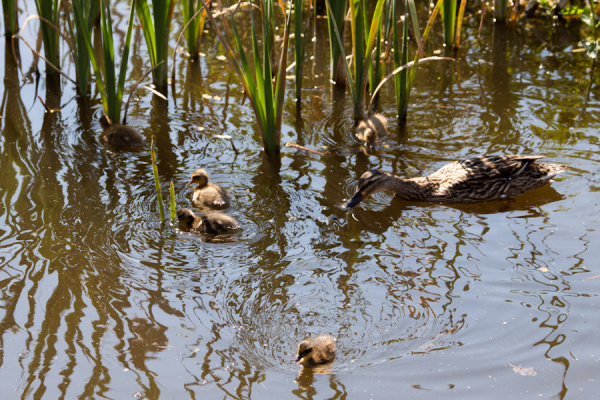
[{"x": 99, "y": 299}]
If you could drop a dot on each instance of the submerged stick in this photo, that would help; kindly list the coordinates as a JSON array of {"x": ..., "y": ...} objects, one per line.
[{"x": 297, "y": 146}]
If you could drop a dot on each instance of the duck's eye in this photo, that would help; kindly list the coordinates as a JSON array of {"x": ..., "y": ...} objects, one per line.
[{"x": 305, "y": 352}]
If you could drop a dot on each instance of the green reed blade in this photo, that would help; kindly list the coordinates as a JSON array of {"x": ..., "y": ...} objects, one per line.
[
  {"x": 11, "y": 21},
  {"x": 172, "y": 203},
  {"x": 159, "y": 197},
  {"x": 298, "y": 47},
  {"x": 50, "y": 10},
  {"x": 449, "y": 19},
  {"x": 194, "y": 25},
  {"x": 336, "y": 15},
  {"x": 124, "y": 59},
  {"x": 500, "y": 10},
  {"x": 281, "y": 79},
  {"x": 461, "y": 14},
  {"x": 340, "y": 45}
]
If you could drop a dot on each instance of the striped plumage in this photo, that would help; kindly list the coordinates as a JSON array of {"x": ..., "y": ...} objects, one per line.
[{"x": 475, "y": 179}]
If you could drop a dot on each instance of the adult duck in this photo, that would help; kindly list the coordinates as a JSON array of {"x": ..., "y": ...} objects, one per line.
[{"x": 475, "y": 179}]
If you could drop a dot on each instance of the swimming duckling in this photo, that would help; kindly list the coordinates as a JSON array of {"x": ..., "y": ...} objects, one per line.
[
  {"x": 475, "y": 179},
  {"x": 213, "y": 223},
  {"x": 120, "y": 136},
  {"x": 316, "y": 351},
  {"x": 208, "y": 194},
  {"x": 372, "y": 128}
]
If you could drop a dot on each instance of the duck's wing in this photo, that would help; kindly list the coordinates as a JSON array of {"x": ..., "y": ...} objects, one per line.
[
  {"x": 482, "y": 178},
  {"x": 484, "y": 168}
]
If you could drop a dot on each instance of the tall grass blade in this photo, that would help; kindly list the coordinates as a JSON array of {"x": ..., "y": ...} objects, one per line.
[
  {"x": 111, "y": 89},
  {"x": 11, "y": 21},
  {"x": 449, "y": 19},
  {"x": 156, "y": 27},
  {"x": 461, "y": 14},
  {"x": 50, "y": 10},
  {"x": 159, "y": 197},
  {"x": 336, "y": 15},
  {"x": 298, "y": 47},
  {"x": 172, "y": 203},
  {"x": 500, "y": 10},
  {"x": 194, "y": 25},
  {"x": 266, "y": 100}
]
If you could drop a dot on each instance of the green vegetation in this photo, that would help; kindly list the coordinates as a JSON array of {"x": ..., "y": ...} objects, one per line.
[
  {"x": 110, "y": 88},
  {"x": 49, "y": 10},
  {"x": 9, "y": 10},
  {"x": 265, "y": 97},
  {"x": 156, "y": 27}
]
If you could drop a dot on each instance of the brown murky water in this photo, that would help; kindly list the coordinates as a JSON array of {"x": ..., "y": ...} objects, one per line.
[{"x": 495, "y": 300}]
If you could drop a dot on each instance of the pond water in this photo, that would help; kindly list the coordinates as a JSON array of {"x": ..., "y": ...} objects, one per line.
[{"x": 497, "y": 300}]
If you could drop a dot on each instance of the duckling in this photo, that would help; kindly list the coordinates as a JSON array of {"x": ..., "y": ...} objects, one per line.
[
  {"x": 372, "y": 128},
  {"x": 120, "y": 136},
  {"x": 213, "y": 223},
  {"x": 316, "y": 351},
  {"x": 208, "y": 194},
  {"x": 475, "y": 179}
]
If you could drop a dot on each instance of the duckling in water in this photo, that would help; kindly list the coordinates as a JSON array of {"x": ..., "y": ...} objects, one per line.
[
  {"x": 213, "y": 223},
  {"x": 208, "y": 194},
  {"x": 120, "y": 136},
  {"x": 372, "y": 128},
  {"x": 316, "y": 351},
  {"x": 475, "y": 179}
]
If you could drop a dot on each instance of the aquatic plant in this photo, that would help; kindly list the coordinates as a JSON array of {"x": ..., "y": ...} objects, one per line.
[
  {"x": 298, "y": 47},
  {"x": 11, "y": 22},
  {"x": 110, "y": 88},
  {"x": 49, "y": 10},
  {"x": 156, "y": 27},
  {"x": 265, "y": 96},
  {"x": 336, "y": 15},
  {"x": 363, "y": 38},
  {"x": 195, "y": 25},
  {"x": 449, "y": 20},
  {"x": 80, "y": 50},
  {"x": 500, "y": 10},
  {"x": 159, "y": 197}
]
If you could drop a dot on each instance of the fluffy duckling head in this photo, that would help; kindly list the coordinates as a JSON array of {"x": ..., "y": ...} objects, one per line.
[
  {"x": 370, "y": 182},
  {"x": 316, "y": 351},
  {"x": 199, "y": 177},
  {"x": 365, "y": 134},
  {"x": 186, "y": 218}
]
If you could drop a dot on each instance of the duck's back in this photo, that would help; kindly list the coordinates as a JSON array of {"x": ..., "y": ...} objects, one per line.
[
  {"x": 489, "y": 178},
  {"x": 211, "y": 196}
]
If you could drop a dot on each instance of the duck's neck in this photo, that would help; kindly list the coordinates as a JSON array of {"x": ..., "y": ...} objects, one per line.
[{"x": 413, "y": 189}]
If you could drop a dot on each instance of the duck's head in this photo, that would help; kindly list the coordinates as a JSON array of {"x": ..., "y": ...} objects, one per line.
[
  {"x": 199, "y": 177},
  {"x": 316, "y": 351},
  {"x": 370, "y": 182},
  {"x": 105, "y": 122},
  {"x": 186, "y": 218}
]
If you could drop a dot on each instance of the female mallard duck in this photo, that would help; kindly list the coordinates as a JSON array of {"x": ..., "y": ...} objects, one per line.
[
  {"x": 213, "y": 223},
  {"x": 120, "y": 136},
  {"x": 475, "y": 179},
  {"x": 208, "y": 194},
  {"x": 372, "y": 128},
  {"x": 316, "y": 351}
]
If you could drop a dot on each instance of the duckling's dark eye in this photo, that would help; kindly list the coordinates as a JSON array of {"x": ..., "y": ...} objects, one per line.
[{"x": 305, "y": 352}]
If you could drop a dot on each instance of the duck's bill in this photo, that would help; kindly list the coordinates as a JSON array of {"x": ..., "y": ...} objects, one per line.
[
  {"x": 357, "y": 198},
  {"x": 298, "y": 359}
]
